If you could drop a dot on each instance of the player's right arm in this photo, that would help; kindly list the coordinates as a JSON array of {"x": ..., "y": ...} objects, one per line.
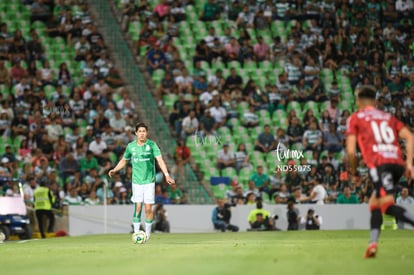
[
  {"x": 351, "y": 143},
  {"x": 405, "y": 134},
  {"x": 122, "y": 162}
]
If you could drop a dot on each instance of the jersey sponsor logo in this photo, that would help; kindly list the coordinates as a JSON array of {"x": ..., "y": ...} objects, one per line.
[
  {"x": 373, "y": 114},
  {"x": 138, "y": 159},
  {"x": 385, "y": 148},
  {"x": 145, "y": 159}
]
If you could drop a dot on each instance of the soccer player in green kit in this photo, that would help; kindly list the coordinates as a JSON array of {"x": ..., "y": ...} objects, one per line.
[{"x": 142, "y": 152}]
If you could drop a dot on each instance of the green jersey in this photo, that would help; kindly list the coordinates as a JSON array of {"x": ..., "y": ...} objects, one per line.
[
  {"x": 143, "y": 161},
  {"x": 312, "y": 136}
]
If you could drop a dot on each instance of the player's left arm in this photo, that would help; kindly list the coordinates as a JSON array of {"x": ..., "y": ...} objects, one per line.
[
  {"x": 164, "y": 169},
  {"x": 405, "y": 134}
]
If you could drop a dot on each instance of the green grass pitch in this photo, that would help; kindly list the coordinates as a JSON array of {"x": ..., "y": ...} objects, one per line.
[{"x": 301, "y": 252}]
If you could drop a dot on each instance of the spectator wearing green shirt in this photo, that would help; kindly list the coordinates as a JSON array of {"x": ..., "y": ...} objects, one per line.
[
  {"x": 396, "y": 87},
  {"x": 347, "y": 197},
  {"x": 88, "y": 162},
  {"x": 211, "y": 11},
  {"x": 260, "y": 179},
  {"x": 175, "y": 194},
  {"x": 313, "y": 138},
  {"x": 73, "y": 198}
]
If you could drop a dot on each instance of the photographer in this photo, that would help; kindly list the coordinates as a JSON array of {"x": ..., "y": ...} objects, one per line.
[
  {"x": 160, "y": 219},
  {"x": 222, "y": 215},
  {"x": 312, "y": 221},
  {"x": 260, "y": 219},
  {"x": 260, "y": 224},
  {"x": 292, "y": 216}
]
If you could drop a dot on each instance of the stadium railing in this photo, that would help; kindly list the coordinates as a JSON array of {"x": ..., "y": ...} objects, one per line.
[{"x": 112, "y": 31}]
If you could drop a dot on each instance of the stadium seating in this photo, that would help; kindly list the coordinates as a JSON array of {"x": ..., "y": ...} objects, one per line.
[{"x": 191, "y": 31}]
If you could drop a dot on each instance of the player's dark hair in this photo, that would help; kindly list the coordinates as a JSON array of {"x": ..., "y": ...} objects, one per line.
[
  {"x": 366, "y": 92},
  {"x": 139, "y": 125}
]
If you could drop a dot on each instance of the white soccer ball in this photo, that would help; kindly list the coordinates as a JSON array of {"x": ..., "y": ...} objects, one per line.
[
  {"x": 139, "y": 237},
  {"x": 2, "y": 237}
]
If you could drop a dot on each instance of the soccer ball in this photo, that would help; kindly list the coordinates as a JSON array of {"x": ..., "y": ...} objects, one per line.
[{"x": 139, "y": 237}]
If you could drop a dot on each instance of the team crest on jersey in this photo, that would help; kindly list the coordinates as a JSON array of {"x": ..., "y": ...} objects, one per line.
[{"x": 147, "y": 148}]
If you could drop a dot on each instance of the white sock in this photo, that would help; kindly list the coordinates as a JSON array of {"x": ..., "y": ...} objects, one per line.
[
  {"x": 136, "y": 226},
  {"x": 148, "y": 227}
]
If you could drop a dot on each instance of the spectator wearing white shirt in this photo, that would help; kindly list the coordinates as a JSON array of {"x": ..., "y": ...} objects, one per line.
[
  {"x": 54, "y": 130},
  {"x": 184, "y": 82},
  {"x": 110, "y": 110},
  {"x": 408, "y": 69},
  {"x": 82, "y": 48},
  {"x": 218, "y": 113},
  {"x": 46, "y": 74},
  {"x": 97, "y": 146},
  {"x": 73, "y": 198},
  {"x": 250, "y": 118},
  {"x": 284, "y": 87},
  {"x": 388, "y": 31},
  {"x": 245, "y": 18},
  {"x": 225, "y": 39},
  {"x": 125, "y": 97},
  {"x": 294, "y": 70},
  {"x": 71, "y": 138},
  {"x": 117, "y": 123},
  {"x": 21, "y": 86},
  {"x": 311, "y": 70},
  {"x": 282, "y": 8},
  {"x": 178, "y": 11},
  {"x": 225, "y": 158},
  {"x": 307, "y": 38},
  {"x": 278, "y": 49},
  {"x": 318, "y": 193},
  {"x": 77, "y": 104},
  {"x": 5, "y": 168},
  {"x": 189, "y": 125},
  {"x": 404, "y": 199},
  {"x": 206, "y": 97},
  {"x": 405, "y": 8},
  {"x": 217, "y": 80},
  {"x": 28, "y": 190},
  {"x": 102, "y": 87},
  {"x": 210, "y": 37},
  {"x": 5, "y": 124},
  {"x": 109, "y": 137}
]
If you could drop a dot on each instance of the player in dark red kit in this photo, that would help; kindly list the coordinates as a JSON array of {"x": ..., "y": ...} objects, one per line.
[{"x": 377, "y": 134}]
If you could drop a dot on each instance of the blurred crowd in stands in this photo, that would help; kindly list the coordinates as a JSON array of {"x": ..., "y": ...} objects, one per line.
[
  {"x": 65, "y": 116},
  {"x": 315, "y": 47}
]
